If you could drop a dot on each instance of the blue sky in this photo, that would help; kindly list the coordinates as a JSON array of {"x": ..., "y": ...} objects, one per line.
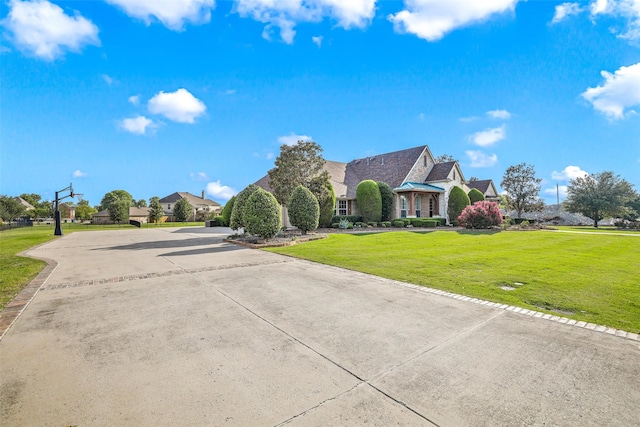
[{"x": 161, "y": 96}]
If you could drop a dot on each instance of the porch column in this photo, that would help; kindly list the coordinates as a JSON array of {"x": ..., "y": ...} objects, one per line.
[{"x": 412, "y": 204}]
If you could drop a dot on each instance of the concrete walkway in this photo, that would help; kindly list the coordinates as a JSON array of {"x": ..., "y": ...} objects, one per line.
[{"x": 174, "y": 327}]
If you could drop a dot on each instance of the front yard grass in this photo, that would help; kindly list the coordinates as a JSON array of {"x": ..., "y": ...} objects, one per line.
[{"x": 590, "y": 277}]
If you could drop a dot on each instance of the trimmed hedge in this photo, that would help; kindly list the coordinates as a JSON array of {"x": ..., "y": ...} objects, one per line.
[
  {"x": 475, "y": 195},
  {"x": 304, "y": 210},
  {"x": 369, "y": 200},
  {"x": 350, "y": 218},
  {"x": 398, "y": 223},
  {"x": 262, "y": 214}
]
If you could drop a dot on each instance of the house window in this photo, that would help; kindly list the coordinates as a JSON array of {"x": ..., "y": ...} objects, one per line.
[
  {"x": 341, "y": 208},
  {"x": 169, "y": 207},
  {"x": 418, "y": 206},
  {"x": 404, "y": 206},
  {"x": 431, "y": 206}
]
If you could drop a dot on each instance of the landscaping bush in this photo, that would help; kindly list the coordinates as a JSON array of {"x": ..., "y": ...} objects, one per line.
[
  {"x": 327, "y": 208},
  {"x": 335, "y": 225},
  {"x": 482, "y": 214},
  {"x": 369, "y": 200},
  {"x": 386, "y": 196},
  {"x": 226, "y": 212},
  {"x": 261, "y": 214},
  {"x": 398, "y": 223},
  {"x": 350, "y": 218},
  {"x": 236, "y": 220},
  {"x": 475, "y": 195},
  {"x": 361, "y": 225},
  {"x": 345, "y": 224},
  {"x": 386, "y": 223},
  {"x": 217, "y": 221},
  {"x": 304, "y": 210},
  {"x": 458, "y": 200},
  {"x": 373, "y": 224}
]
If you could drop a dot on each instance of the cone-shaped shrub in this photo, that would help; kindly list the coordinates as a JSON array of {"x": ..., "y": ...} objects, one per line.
[
  {"x": 327, "y": 208},
  {"x": 304, "y": 210},
  {"x": 386, "y": 195},
  {"x": 237, "y": 213},
  {"x": 458, "y": 200},
  {"x": 261, "y": 214},
  {"x": 475, "y": 195},
  {"x": 226, "y": 212},
  {"x": 482, "y": 214},
  {"x": 369, "y": 201}
]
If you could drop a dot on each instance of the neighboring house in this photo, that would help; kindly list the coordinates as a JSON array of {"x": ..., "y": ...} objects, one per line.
[
  {"x": 67, "y": 211},
  {"x": 202, "y": 207},
  {"x": 136, "y": 214},
  {"x": 28, "y": 206},
  {"x": 421, "y": 186},
  {"x": 486, "y": 187}
]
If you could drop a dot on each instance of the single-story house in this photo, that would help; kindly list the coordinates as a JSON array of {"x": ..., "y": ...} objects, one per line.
[
  {"x": 420, "y": 186},
  {"x": 202, "y": 207},
  {"x": 28, "y": 206},
  {"x": 136, "y": 214}
]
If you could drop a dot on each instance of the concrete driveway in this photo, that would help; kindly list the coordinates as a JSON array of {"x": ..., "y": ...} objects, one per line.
[{"x": 175, "y": 327}]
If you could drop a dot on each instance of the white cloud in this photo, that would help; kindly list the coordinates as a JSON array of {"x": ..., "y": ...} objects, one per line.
[
  {"x": 568, "y": 173},
  {"x": 78, "y": 174},
  {"x": 287, "y": 13},
  {"x": 317, "y": 40},
  {"x": 620, "y": 91},
  {"x": 108, "y": 79},
  {"x": 180, "y": 106},
  {"x": 432, "y": 19},
  {"x": 566, "y": 10},
  {"x": 230, "y": 92},
  {"x": 480, "y": 159},
  {"x": 135, "y": 99},
  {"x": 562, "y": 189},
  {"x": 43, "y": 29},
  {"x": 138, "y": 125},
  {"x": 219, "y": 191},
  {"x": 199, "y": 176},
  {"x": 628, "y": 10},
  {"x": 293, "y": 138},
  {"x": 489, "y": 137},
  {"x": 173, "y": 14},
  {"x": 499, "y": 114}
]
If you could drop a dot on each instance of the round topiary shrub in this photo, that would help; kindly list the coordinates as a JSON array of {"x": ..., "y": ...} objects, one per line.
[
  {"x": 236, "y": 220},
  {"x": 475, "y": 195},
  {"x": 458, "y": 200},
  {"x": 386, "y": 196},
  {"x": 398, "y": 223},
  {"x": 262, "y": 214},
  {"x": 482, "y": 214},
  {"x": 304, "y": 210},
  {"x": 369, "y": 200}
]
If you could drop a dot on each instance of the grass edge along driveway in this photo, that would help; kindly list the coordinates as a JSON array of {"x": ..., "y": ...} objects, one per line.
[{"x": 588, "y": 277}]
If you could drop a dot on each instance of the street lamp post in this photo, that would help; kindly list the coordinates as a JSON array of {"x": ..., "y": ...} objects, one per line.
[{"x": 58, "y": 231}]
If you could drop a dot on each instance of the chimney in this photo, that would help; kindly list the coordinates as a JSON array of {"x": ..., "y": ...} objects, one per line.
[{"x": 202, "y": 194}]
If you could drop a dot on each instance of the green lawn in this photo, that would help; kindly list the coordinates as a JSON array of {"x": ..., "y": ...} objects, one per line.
[
  {"x": 17, "y": 271},
  {"x": 590, "y": 277},
  {"x": 591, "y": 229}
]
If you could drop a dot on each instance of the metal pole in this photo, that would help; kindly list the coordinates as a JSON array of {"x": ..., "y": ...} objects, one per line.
[{"x": 58, "y": 231}]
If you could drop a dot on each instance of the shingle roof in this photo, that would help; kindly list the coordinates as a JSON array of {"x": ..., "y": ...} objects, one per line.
[
  {"x": 336, "y": 176},
  {"x": 391, "y": 168},
  {"x": 24, "y": 203},
  {"x": 440, "y": 171},
  {"x": 481, "y": 185}
]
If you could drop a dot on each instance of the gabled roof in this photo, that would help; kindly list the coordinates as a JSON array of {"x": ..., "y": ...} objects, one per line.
[
  {"x": 412, "y": 186},
  {"x": 194, "y": 200},
  {"x": 24, "y": 203},
  {"x": 440, "y": 171},
  {"x": 391, "y": 168},
  {"x": 481, "y": 185}
]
